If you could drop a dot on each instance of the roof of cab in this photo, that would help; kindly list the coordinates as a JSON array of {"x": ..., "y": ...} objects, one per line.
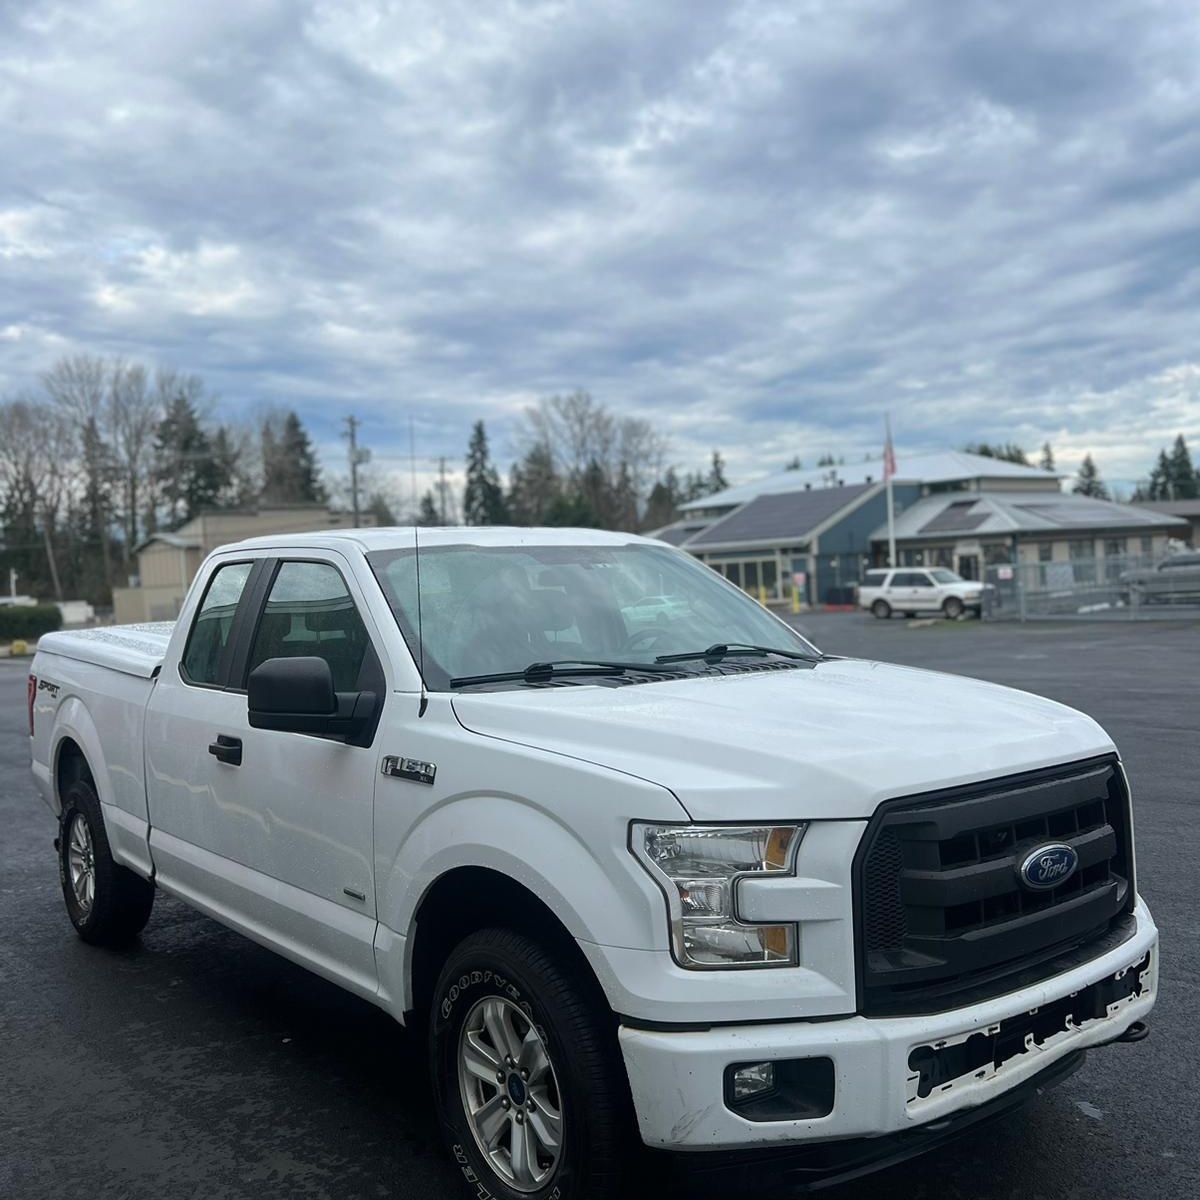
[{"x": 400, "y": 537}]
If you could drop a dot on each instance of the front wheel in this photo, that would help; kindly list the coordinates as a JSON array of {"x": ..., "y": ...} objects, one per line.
[
  {"x": 953, "y": 607},
  {"x": 108, "y": 904},
  {"x": 526, "y": 1073}
]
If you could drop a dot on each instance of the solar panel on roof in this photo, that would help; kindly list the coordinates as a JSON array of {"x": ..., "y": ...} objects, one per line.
[
  {"x": 1072, "y": 514},
  {"x": 778, "y": 516},
  {"x": 956, "y": 517}
]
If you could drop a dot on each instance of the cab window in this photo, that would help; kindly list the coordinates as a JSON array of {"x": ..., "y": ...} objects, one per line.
[
  {"x": 310, "y": 613},
  {"x": 202, "y": 658}
]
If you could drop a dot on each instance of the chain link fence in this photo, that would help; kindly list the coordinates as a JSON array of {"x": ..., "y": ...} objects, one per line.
[{"x": 1117, "y": 587}]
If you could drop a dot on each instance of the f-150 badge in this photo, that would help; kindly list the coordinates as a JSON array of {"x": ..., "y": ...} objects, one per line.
[{"x": 409, "y": 768}]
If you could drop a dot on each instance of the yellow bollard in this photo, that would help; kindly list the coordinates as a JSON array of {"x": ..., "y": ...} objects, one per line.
[
  {"x": 795, "y": 599},
  {"x": 762, "y": 595}
]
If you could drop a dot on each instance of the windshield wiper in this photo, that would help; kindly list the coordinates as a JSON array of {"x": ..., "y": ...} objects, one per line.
[
  {"x": 538, "y": 671},
  {"x": 730, "y": 649}
]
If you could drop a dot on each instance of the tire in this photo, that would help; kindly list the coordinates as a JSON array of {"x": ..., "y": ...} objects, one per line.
[
  {"x": 499, "y": 980},
  {"x": 881, "y": 609},
  {"x": 108, "y": 904},
  {"x": 953, "y": 608}
]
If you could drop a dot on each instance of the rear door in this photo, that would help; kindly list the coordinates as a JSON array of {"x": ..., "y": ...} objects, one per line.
[
  {"x": 272, "y": 831},
  {"x": 902, "y": 591},
  {"x": 926, "y": 592}
]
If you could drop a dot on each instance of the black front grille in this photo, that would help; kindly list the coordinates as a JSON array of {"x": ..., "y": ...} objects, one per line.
[{"x": 943, "y": 918}]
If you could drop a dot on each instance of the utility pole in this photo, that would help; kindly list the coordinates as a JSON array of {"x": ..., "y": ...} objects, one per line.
[
  {"x": 442, "y": 489},
  {"x": 357, "y": 458}
]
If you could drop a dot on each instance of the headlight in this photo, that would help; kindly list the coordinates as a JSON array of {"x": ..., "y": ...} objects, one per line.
[{"x": 697, "y": 867}]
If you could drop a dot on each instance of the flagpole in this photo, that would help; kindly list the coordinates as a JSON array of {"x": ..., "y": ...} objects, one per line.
[{"x": 891, "y": 525}]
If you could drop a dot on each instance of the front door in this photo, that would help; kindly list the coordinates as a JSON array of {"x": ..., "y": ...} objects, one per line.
[{"x": 272, "y": 831}]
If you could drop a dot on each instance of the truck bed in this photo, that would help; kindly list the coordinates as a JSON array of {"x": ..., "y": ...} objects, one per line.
[
  {"x": 130, "y": 649},
  {"x": 92, "y": 689}
]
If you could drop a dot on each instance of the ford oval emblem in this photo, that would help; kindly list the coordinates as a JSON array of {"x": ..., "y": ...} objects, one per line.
[{"x": 1048, "y": 866}]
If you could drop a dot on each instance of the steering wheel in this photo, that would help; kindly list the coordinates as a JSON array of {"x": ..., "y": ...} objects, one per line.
[{"x": 650, "y": 636}]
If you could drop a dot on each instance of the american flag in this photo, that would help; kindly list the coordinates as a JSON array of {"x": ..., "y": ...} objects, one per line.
[{"x": 889, "y": 453}]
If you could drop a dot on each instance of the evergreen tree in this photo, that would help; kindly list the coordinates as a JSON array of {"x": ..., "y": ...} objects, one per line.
[
  {"x": 1088, "y": 481},
  {"x": 716, "y": 481},
  {"x": 185, "y": 473},
  {"x": 428, "y": 513},
  {"x": 379, "y": 507},
  {"x": 1158, "y": 487},
  {"x": 1183, "y": 480},
  {"x": 1046, "y": 462},
  {"x": 1001, "y": 451},
  {"x": 226, "y": 459},
  {"x": 483, "y": 498},
  {"x": 535, "y": 487},
  {"x": 662, "y": 506},
  {"x": 100, "y": 476},
  {"x": 291, "y": 474}
]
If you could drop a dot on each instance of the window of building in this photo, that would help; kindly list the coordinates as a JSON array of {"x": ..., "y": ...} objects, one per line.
[
  {"x": 1147, "y": 544},
  {"x": 210, "y": 632},
  {"x": 1114, "y": 558},
  {"x": 309, "y": 612},
  {"x": 1082, "y": 552},
  {"x": 1045, "y": 551}
]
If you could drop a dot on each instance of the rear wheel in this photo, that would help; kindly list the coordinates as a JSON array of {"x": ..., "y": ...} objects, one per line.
[
  {"x": 107, "y": 903},
  {"x": 527, "y": 1078},
  {"x": 953, "y": 607},
  {"x": 881, "y": 609}
]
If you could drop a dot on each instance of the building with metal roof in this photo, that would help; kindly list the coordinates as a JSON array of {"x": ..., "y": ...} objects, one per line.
[
  {"x": 818, "y": 530},
  {"x": 1189, "y": 510},
  {"x": 941, "y": 469},
  {"x": 969, "y": 533}
]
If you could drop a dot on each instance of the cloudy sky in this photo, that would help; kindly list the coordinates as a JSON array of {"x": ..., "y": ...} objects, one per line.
[{"x": 761, "y": 225}]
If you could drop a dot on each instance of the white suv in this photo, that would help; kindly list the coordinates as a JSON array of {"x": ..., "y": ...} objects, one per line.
[{"x": 912, "y": 590}]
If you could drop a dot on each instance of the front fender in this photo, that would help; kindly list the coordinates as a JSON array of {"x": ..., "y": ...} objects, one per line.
[{"x": 583, "y": 873}]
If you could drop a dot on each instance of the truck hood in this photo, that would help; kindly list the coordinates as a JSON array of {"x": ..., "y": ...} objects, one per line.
[{"x": 829, "y": 742}]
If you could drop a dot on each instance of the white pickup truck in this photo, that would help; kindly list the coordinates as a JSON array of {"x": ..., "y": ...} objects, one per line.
[{"x": 687, "y": 878}]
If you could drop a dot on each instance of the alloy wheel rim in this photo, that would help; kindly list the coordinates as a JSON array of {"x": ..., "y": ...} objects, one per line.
[
  {"x": 81, "y": 863},
  {"x": 510, "y": 1093}
]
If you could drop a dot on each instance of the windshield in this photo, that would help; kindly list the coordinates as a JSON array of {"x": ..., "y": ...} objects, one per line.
[
  {"x": 495, "y": 609},
  {"x": 943, "y": 576}
]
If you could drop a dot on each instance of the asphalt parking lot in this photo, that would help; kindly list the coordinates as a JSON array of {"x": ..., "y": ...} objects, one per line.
[{"x": 198, "y": 1065}]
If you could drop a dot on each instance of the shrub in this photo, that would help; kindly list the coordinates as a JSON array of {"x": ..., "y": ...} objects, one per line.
[{"x": 28, "y": 621}]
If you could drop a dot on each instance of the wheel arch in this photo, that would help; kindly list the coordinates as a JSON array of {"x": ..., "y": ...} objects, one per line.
[
  {"x": 469, "y": 898},
  {"x": 75, "y": 751},
  {"x": 71, "y": 764}
]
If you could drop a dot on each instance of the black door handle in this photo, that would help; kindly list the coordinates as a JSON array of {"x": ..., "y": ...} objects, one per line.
[{"x": 227, "y": 750}]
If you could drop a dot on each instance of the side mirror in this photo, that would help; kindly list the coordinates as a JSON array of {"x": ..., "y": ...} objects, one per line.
[{"x": 295, "y": 695}]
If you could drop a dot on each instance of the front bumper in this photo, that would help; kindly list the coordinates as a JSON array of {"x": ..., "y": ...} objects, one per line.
[{"x": 677, "y": 1077}]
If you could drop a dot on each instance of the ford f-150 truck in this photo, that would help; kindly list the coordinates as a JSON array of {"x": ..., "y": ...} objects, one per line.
[{"x": 684, "y": 880}]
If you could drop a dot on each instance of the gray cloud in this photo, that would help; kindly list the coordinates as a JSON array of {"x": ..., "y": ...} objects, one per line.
[{"x": 763, "y": 225}]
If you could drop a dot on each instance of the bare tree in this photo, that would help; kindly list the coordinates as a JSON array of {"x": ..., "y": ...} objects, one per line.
[
  {"x": 78, "y": 389},
  {"x": 36, "y": 444},
  {"x": 611, "y": 461},
  {"x": 133, "y": 414}
]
